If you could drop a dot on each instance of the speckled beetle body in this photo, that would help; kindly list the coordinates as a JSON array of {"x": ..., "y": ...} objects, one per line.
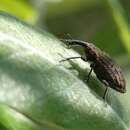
[{"x": 106, "y": 70}]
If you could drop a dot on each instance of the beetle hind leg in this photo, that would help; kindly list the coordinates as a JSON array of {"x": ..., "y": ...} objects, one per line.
[
  {"x": 88, "y": 77},
  {"x": 106, "y": 90},
  {"x": 105, "y": 93}
]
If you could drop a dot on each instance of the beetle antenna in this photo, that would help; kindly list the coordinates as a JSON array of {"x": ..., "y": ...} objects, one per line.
[{"x": 75, "y": 42}]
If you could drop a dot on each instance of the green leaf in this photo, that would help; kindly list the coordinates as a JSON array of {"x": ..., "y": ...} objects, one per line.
[
  {"x": 46, "y": 93},
  {"x": 19, "y": 8},
  {"x": 120, "y": 19}
]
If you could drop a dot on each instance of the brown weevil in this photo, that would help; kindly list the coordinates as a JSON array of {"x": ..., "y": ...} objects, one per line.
[{"x": 106, "y": 70}]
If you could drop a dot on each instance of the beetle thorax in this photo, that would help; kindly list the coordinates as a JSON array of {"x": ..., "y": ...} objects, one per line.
[{"x": 92, "y": 52}]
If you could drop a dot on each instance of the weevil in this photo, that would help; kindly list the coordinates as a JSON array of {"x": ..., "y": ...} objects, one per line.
[{"x": 106, "y": 70}]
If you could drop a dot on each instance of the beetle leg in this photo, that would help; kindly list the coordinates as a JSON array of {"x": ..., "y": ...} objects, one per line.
[
  {"x": 106, "y": 90},
  {"x": 76, "y": 57},
  {"x": 70, "y": 58},
  {"x": 88, "y": 77},
  {"x": 105, "y": 93}
]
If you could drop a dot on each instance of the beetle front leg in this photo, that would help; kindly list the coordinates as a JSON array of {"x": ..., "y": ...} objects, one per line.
[
  {"x": 88, "y": 77},
  {"x": 105, "y": 94},
  {"x": 76, "y": 57}
]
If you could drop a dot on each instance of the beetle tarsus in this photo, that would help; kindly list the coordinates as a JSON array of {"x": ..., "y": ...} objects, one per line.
[{"x": 105, "y": 94}]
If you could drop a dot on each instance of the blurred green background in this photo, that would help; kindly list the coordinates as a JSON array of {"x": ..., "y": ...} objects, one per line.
[{"x": 104, "y": 23}]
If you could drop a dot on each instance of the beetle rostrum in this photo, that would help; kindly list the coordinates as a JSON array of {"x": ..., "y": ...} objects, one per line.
[{"x": 106, "y": 70}]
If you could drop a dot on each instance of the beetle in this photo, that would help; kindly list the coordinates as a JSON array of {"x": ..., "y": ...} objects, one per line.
[{"x": 106, "y": 70}]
